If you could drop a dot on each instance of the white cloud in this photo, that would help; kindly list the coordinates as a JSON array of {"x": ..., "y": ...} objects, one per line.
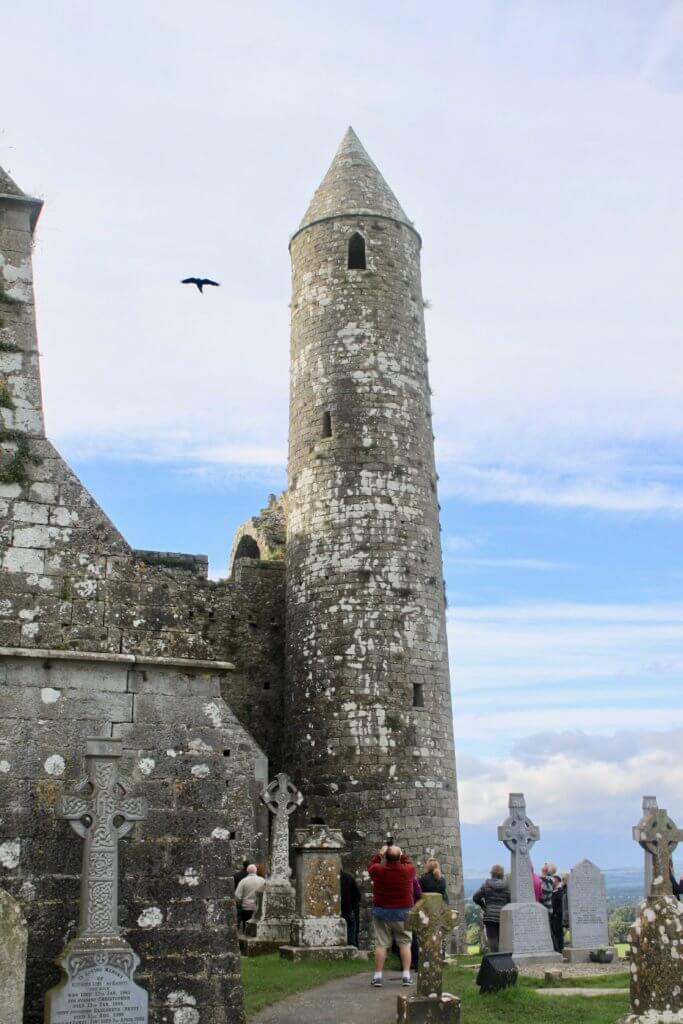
[
  {"x": 562, "y": 789},
  {"x": 536, "y": 150},
  {"x": 566, "y": 648}
]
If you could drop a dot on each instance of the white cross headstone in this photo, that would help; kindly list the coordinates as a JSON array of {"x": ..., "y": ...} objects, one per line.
[
  {"x": 524, "y": 923},
  {"x": 518, "y": 833}
]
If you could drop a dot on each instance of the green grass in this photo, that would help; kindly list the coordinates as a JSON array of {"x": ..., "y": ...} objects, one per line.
[
  {"x": 521, "y": 1004},
  {"x": 268, "y": 979},
  {"x": 619, "y": 980}
]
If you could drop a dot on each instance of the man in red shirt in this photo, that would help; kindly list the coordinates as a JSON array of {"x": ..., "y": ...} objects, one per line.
[{"x": 392, "y": 875}]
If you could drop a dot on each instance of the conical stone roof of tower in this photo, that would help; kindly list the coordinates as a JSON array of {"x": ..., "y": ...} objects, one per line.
[
  {"x": 353, "y": 184},
  {"x": 7, "y": 186}
]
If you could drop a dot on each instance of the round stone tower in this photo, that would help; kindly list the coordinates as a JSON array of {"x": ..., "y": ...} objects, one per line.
[{"x": 368, "y": 713}]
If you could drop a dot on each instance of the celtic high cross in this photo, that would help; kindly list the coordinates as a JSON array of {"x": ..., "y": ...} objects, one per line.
[
  {"x": 101, "y": 811},
  {"x": 281, "y": 798},
  {"x": 518, "y": 833},
  {"x": 431, "y": 919},
  {"x": 649, "y": 805},
  {"x": 658, "y": 834}
]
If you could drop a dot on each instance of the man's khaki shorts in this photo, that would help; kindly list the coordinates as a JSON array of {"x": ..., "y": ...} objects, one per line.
[{"x": 385, "y": 931}]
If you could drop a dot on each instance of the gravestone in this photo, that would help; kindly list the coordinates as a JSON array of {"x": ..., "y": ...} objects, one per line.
[
  {"x": 656, "y": 936},
  {"x": 98, "y": 964},
  {"x": 588, "y": 914},
  {"x": 431, "y": 919},
  {"x": 13, "y": 939},
  {"x": 524, "y": 923},
  {"x": 319, "y": 930},
  {"x": 649, "y": 805},
  {"x": 271, "y": 926}
]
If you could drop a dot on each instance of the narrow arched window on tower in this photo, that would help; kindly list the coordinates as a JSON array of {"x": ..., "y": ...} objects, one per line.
[
  {"x": 327, "y": 424},
  {"x": 357, "y": 252},
  {"x": 418, "y": 696}
]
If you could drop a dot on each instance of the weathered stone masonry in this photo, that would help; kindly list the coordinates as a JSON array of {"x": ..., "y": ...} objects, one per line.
[
  {"x": 98, "y": 639},
  {"x": 368, "y": 715},
  {"x": 338, "y": 674}
]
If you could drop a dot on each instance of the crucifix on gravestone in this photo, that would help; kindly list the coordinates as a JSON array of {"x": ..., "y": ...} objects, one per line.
[
  {"x": 658, "y": 834},
  {"x": 98, "y": 964},
  {"x": 431, "y": 919},
  {"x": 649, "y": 805},
  {"x": 518, "y": 833},
  {"x": 281, "y": 798}
]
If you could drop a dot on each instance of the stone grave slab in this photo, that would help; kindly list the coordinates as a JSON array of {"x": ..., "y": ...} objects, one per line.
[
  {"x": 524, "y": 923},
  {"x": 588, "y": 914},
  {"x": 13, "y": 939},
  {"x": 317, "y": 864},
  {"x": 98, "y": 965}
]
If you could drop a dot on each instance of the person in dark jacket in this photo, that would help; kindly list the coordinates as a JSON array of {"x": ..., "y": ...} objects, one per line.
[
  {"x": 433, "y": 880},
  {"x": 492, "y": 897},
  {"x": 547, "y": 886},
  {"x": 243, "y": 873},
  {"x": 557, "y": 914},
  {"x": 350, "y": 906}
]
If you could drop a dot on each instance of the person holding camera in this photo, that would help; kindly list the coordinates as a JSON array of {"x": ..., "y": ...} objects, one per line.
[{"x": 392, "y": 874}]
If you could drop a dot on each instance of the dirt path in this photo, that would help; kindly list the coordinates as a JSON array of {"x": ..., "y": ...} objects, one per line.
[{"x": 349, "y": 1000}]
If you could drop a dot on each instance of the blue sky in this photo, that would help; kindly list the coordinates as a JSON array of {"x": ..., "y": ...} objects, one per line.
[{"x": 538, "y": 148}]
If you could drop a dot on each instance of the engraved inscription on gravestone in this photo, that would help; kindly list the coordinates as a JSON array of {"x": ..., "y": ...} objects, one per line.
[
  {"x": 98, "y": 965},
  {"x": 527, "y": 937},
  {"x": 588, "y": 919}
]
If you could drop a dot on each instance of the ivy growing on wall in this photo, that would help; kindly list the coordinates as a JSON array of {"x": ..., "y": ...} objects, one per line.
[{"x": 16, "y": 470}]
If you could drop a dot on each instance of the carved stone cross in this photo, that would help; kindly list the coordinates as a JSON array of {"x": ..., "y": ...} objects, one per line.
[
  {"x": 658, "y": 834},
  {"x": 649, "y": 805},
  {"x": 101, "y": 811},
  {"x": 281, "y": 798},
  {"x": 431, "y": 918},
  {"x": 518, "y": 833}
]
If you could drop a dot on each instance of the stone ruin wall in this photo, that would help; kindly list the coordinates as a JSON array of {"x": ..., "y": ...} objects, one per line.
[
  {"x": 69, "y": 580},
  {"x": 97, "y": 638},
  {"x": 365, "y": 597},
  {"x": 201, "y": 773}
]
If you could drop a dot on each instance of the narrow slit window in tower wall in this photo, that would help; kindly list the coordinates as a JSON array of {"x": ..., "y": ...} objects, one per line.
[
  {"x": 327, "y": 424},
  {"x": 357, "y": 252},
  {"x": 418, "y": 695}
]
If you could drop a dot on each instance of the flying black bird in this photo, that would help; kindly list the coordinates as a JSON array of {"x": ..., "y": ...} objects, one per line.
[{"x": 200, "y": 282}]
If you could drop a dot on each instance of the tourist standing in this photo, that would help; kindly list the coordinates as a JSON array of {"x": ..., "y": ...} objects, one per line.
[
  {"x": 392, "y": 875},
  {"x": 350, "y": 905},
  {"x": 242, "y": 873},
  {"x": 557, "y": 914},
  {"x": 492, "y": 896},
  {"x": 246, "y": 892},
  {"x": 432, "y": 880},
  {"x": 547, "y": 886}
]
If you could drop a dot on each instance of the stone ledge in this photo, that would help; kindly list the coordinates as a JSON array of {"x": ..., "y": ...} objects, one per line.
[
  {"x": 115, "y": 659},
  {"x": 258, "y": 947},
  {"x": 297, "y": 953}
]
